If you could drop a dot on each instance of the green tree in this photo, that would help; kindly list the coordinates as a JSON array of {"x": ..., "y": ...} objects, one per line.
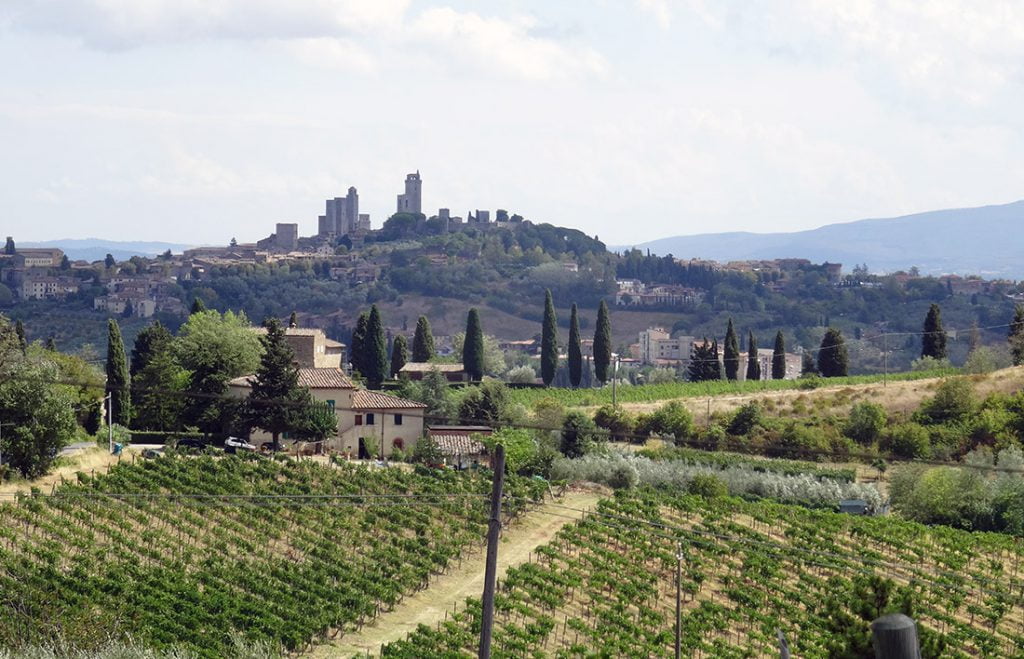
[
  {"x": 215, "y": 348},
  {"x": 486, "y": 403},
  {"x": 473, "y": 347},
  {"x": 293, "y": 320},
  {"x": 577, "y": 434},
  {"x": 376, "y": 350},
  {"x": 779, "y": 357},
  {"x": 51, "y": 344},
  {"x": 833, "y": 360},
  {"x": 158, "y": 399},
  {"x": 109, "y": 261},
  {"x": 716, "y": 364},
  {"x": 65, "y": 262},
  {"x": 197, "y": 306},
  {"x": 731, "y": 354},
  {"x": 1016, "y": 335},
  {"x": 129, "y": 310},
  {"x": 314, "y": 420},
  {"x": 275, "y": 395},
  {"x": 357, "y": 352},
  {"x": 602, "y": 343},
  {"x": 9, "y": 247},
  {"x": 933, "y": 338},
  {"x": 866, "y": 422},
  {"x": 753, "y": 363},
  {"x": 422, "y": 341},
  {"x": 575, "y": 350},
  {"x": 399, "y": 355},
  {"x": 149, "y": 342},
  {"x": 808, "y": 366},
  {"x": 38, "y": 418},
  {"x": 548, "y": 341},
  {"x": 19, "y": 330},
  {"x": 118, "y": 377},
  {"x": 703, "y": 363}
]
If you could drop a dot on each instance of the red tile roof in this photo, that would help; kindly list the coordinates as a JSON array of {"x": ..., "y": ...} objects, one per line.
[
  {"x": 310, "y": 378},
  {"x": 374, "y": 400},
  {"x": 457, "y": 445}
]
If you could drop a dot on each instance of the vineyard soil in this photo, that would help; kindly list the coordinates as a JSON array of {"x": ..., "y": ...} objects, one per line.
[{"x": 430, "y": 606}]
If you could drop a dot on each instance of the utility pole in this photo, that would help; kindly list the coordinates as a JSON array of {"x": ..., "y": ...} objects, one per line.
[
  {"x": 679, "y": 597},
  {"x": 491, "y": 571}
]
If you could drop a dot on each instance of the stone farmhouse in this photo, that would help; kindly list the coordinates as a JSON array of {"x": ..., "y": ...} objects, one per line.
[{"x": 365, "y": 418}]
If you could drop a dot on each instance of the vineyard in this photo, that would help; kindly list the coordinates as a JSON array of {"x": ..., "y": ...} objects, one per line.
[
  {"x": 650, "y": 393},
  {"x": 606, "y": 585},
  {"x": 191, "y": 552}
]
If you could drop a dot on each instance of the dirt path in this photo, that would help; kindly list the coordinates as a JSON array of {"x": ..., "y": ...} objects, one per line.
[{"x": 429, "y": 606}]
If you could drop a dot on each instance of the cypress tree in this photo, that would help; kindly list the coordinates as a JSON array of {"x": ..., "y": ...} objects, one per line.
[
  {"x": 276, "y": 385},
  {"x": 9, "y": 247},
  {"x": 19, "y": 329},
  {"x": 118, "y": 378},
  {"x": 358, "y": 356},
  {"x": 293, "y": 320},
  {"x": 807, "y": 364},
  {"x": 422, "y": 341},
  {"x": 548, "y": 341},
  {"x": 715, "y": 372},
  {"x": 833, "y": 361},
  {"x": 473, "y": 347},
  {"x": 399, "y": 355},
  {"x": 753, "y": 363},
  {"x": 574, "y": 350},
  {"x": 1016, "y": 335},
  {"x": 731, "y": 353},
  {"x": 779, "y": 358},
  {"x": 197, "y": 306},
  {"x": 933, "y": 339},
  {"x": 602, "y": 343},
  {"x": 376, "y": 350}
]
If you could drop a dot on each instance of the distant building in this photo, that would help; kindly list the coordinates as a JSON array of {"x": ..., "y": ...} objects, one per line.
[
  {"x": 412, "y": 200},
  {"x": 419, "y": 370},
  {"x": 656, "y": 346},
  {"x": 37, "y": 257},
  {"x": 765, "y": 357},
  {"x": 342, "y": 215},
  {"x": 41, "y": 288},
  {"x": 287, "y": 236},
  {"x": 311, "y": 347}
]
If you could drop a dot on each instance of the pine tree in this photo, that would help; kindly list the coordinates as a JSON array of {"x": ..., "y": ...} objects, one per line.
[
  {"x": 118, "y": 378},
  {"x": 399, "y": 355},
  {"x": 833, "y": 361},
  {"x": 376, "y": 350},
  {"x": 933, "y": 338},
  {"x": 422, "y": 341},
  {"x": 753, "y": 363},
  {"x": 358, "y": 351},
  {"x": 51, "y": 344},
  {"x": 1016, "y": 335},
  {"x": 703, "y": 363},
  {"x": 197, "y": 306},
  {"x": 548, "y": 341},
  {"x": 150, "y": 341},
  {"x": 473, "y": 347},
  {"x": 19, "y": 329},
  {"x": 574, "y": 350},
  {"x": 779, "y": 358},
  {"x": 293, "y": 320},
  {"x": 732, "y": 353},
  {"x": 602, "y": 343},
  {"x": 275, "y": 388}
]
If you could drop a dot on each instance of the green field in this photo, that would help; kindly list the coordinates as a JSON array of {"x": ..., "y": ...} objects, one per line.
[
  {"x": 186, "y": 553},
  {"x": 649, "y": 393},
  {"x": 606, "y": 585}
]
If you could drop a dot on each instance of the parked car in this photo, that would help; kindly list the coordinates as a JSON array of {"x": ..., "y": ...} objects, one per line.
[{"x": 235, "y": 444}]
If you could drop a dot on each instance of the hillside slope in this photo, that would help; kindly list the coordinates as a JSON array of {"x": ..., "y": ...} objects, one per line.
[{"x": 983, "y": 240}]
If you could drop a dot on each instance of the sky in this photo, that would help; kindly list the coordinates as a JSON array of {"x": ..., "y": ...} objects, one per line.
[{"x": 195, "y": 121}]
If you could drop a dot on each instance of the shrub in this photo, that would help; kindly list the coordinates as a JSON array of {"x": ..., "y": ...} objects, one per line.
[
  {"x": 981, "y": 360},
  {"x": 624, "y": 476},
  {"x": 521, "y": 375},
  {"x": 549, "y": 413},
  {"x": 747, "y": 417},
  {"x": 866, "y": 422},
  {"x": 714, "y": 436},
  {"x": 953, "y": 401},
  {"x": 616, "y": 421},
  {"x": 929, "y": 363},
  {"x": 671, "y": 419},
  {"x": 577, "y": 434},
  {"x": 800, "y": 442},
  {"x": 708, "y": 486},
  {"x": 907, "y": 440}
]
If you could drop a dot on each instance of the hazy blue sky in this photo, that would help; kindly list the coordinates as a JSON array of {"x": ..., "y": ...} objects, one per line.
[{"x": 199, "y": 120}]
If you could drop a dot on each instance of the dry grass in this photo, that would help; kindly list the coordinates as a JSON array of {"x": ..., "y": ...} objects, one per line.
[{"x": 86, "y": 460}]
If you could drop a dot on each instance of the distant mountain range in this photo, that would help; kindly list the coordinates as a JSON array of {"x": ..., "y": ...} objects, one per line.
[
  {"x": 987, "y": 241},
  {"x": 96, "y": 249}
]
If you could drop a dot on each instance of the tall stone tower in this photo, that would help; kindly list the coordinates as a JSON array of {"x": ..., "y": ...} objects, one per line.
[
  {"x": 412, "y": 200},
  {"x": 342, "y": 215}
]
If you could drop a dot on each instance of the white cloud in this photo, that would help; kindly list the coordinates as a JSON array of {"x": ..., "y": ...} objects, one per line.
[{"x": 659, "y": 9}]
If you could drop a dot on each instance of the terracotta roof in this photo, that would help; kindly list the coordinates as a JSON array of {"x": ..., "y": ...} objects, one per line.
[
  {"x": 426, "y": 367},
  {"x": 331, "y": 343},
  {"x": 310, "y": 378},
  {"x": 457, "y": 445},
  {"x": 374, "y": 400}
]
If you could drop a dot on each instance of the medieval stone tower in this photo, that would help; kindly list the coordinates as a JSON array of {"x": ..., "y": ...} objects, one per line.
[{"x": 412, "y": 200}]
